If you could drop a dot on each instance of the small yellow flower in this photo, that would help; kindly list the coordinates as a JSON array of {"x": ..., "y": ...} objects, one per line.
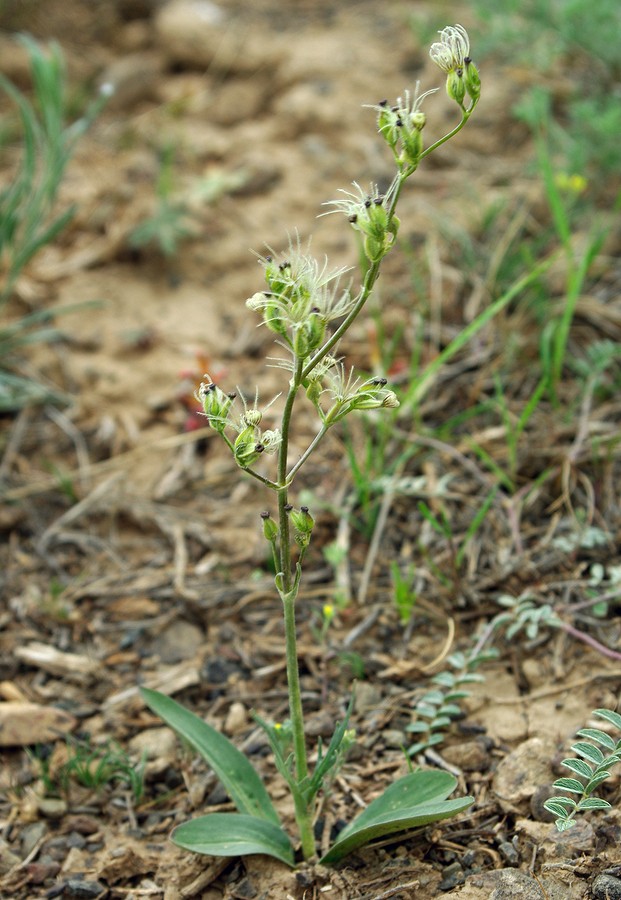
[
  {"x": 573, "y": 184},
  {"x": 328, "y": 611}
]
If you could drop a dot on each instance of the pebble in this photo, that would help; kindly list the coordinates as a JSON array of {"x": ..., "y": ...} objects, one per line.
[
  {"x": 606, "y": 887},
  {"x": 83, "y": 890},
  {"x": 8, "y": 859},
  {"x": 133, "y": 78},
  {"x": 538, "y": 810},
  {"x": 521, "y": 772},
  {"x": 178, "y": 642},
  {"x": 236, "y": 718},
  {"x": 470, "y": 756},
  {"x": 509, "y": 854},
  {"x": 507, "y": 884},
  {"x": 52, "y": 807},
  {"x": 368, "y": 697},
  {"x": 452, "y": 876},
  {"x": 31, "y": 835},
  {"x": 199, "y": 33}
]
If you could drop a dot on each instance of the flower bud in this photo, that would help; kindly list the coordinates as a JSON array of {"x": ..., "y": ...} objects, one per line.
[
  {"x": 270, "y": 528},
  {"x": 215, "y": 403},
  {"x": 251, "y": 417},
  {"x": 455, "y": 86},
  {"x": 302, "y": 520},
  {"x": 247, "y": 448},
  {"x": 472, "y": 79},
  {"x": 412, "y": 147},
  {"x": 309, "y": 335}
]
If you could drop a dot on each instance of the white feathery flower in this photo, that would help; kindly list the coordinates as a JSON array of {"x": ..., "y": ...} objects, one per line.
[{"x": 452, "y": 51}]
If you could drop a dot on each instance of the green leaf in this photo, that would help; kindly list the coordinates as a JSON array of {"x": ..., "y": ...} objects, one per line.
[
  {"x": 613, "y": 717},
  {"x": 414, "y": 800},
  {"x": 232, "y": 834},
  {"x": 600, "y": 737},
  {"x": 589, "y": 752},
  {"x": 594, "y": 803},
  {"x": 569, "y": 784},
  {"x": 555, "y": 806},
  {"x": 579, "y": 766},
  {"x": 238, "y": 776}
]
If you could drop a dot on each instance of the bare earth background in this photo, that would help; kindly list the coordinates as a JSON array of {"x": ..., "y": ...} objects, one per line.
[{"x": 131, "y": 547}]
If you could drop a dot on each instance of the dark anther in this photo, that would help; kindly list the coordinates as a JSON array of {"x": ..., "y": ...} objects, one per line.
[
  {"x": 367, "y": 203},
  {"x": 264, "y": 514},
  {"x": 259, "y": 448},
  {"x": 352, "y": 219},
  {"x": 304, "y": 509},
  {"x": 380, "y": 382},
  {"x": 383, "y": 103},
  {"x": 399, "y": 123},
  {"x": 288, "y": 507}
]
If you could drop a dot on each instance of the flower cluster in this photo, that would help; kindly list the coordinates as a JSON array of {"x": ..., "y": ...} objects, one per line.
[
  {"x": 452, "y": 54},
  {"x": 348, "y": 393},
  {"x": 303, "y": 296},
  {"x": 369, "y": 213},
  {"x": 401, "y": 125},
  {"x": 251, "y": 441}
]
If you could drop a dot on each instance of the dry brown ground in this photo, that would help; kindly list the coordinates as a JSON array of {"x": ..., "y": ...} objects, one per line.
[{"x": 131, "y": 547}]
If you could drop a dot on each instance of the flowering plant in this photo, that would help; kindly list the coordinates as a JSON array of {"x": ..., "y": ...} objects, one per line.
[{"x": 301, "y": 299}]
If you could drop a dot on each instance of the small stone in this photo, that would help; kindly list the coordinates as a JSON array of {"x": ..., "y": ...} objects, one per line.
[
  {"x": 538, "y": 810},
  {"x": 507, "y": 884},
  {"x": 133, "y": 78},
  {"x": 606, "y": 887},
  {"x": 8, "y": 859},
  {"x": 83, "y": 890},
  {"x": 452, "y": 876},
  {"x": 394, "y": 738},
  {"x": 470, "y": 756},
  {"x": 368, "y": 697},
  {"x": 521, "y": 772},
  {"x": 509, "y": 853},
  {"x": 52, "y": 807},
  {"x": 178, "y": 642},
  {"x": 31, "y": 835},
  {"x": 236, "y": 719}
]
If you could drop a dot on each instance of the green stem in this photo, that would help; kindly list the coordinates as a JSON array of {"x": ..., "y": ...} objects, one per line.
[
  {"x": 466, "y": 113},
  {"x": 311, "y": 447},
  {"x": 288, "y": 590}
]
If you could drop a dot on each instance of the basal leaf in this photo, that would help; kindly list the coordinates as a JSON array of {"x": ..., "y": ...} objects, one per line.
[
  {"x": 414, "y": 800},
  {"x": 232, "y": 834},
  {"x": 238, "y": 776}
]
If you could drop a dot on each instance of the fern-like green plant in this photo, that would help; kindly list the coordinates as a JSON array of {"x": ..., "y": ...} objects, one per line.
[
  {"x": 439, "y": 707},
  {"x": 589, "y": 771}
]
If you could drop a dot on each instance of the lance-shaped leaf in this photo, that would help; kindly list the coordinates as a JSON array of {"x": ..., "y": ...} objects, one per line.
[
  {"x": 232, "y": 834},
  {"x": 414, "y": 800},
  {"x": 238, "y": 776}
]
